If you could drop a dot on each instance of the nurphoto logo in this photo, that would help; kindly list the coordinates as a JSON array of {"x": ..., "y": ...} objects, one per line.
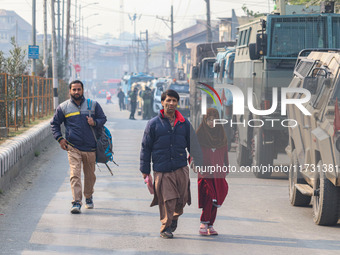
[{"x": 239, "y": 105}]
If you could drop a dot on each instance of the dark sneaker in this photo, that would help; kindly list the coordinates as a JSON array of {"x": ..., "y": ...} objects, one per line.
[
  {"x": 173, "y": 225},
  {"x": 89, "y": 203},
  {"x": 166, "y": 234},
  {"x": 75, "y": 208}
]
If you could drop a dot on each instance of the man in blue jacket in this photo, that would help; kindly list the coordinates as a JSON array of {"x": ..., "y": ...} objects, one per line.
[
  {"x": 166, "y": 138},
  {"x": 79, "y": 142}
]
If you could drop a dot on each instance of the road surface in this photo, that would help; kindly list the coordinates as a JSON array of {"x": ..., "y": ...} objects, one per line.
[{"x": 256, "y": 217}]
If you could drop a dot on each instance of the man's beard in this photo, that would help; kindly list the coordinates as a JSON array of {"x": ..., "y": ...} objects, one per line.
[
  {"x": 170, "y": 111},
  {"x": 76, "y": 97}
]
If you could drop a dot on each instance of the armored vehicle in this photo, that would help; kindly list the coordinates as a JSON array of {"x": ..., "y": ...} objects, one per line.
[
  {"x": 223, "y": 76},
  {"x": 265, "y": 57},
  {"x": 203, "y": 57},
  {"x": 314, "y": 138}
]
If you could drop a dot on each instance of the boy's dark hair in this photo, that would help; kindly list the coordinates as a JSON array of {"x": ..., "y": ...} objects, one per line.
[
  {"x": 170, "y": 93},
  {"x": 77, "y": 81}
]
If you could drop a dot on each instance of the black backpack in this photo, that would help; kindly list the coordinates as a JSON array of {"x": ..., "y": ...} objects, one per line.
[{"x": 104, "y": 147}]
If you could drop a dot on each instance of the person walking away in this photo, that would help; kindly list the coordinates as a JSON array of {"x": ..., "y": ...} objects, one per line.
[
  {"x": 166, "y": 138},
  {"x": 79, "y": 142},
  {"x": 212, "y": 187},
  {"x": 133, "y": 101},
  {"x": 147, "y": 97},
  {"x": 121, "y": 97},
  {"x": 108, "y": 98}
]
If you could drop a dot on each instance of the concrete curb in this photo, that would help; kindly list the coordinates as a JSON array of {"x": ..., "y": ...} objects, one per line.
[{"x": 18, "y": 152}]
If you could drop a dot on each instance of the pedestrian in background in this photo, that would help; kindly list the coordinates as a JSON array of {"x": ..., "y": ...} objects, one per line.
[
  {"x": 79, "y": 142},
  {"x": 212, "y": 187},
  {"x": 147, "y": 106},
  {"x": 133, "y": 101},
  {"x": 108, "y": 98},
  {"x": 121, "y": 97},
  {"x": 166, "y": 138}
]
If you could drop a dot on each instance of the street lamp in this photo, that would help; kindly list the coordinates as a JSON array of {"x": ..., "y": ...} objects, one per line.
[{"x": 87, "y": 53}]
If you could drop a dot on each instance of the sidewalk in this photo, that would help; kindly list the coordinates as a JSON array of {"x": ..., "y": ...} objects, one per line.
[{"x": 16, "y": 153}]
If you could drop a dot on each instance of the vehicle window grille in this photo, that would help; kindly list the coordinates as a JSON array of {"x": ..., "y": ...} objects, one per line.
[
  {"x": 290, "y": 35},
  {"x": 303, "y": 68},
  {"x": 336, "y": 32}
]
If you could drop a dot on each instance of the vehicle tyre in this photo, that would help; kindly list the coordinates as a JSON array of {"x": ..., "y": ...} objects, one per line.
[
  {"x": 261, "y": 154},
  {"x": 242, "y": 153},
  {"x": 325, "y": 199},
  {"x": 295, "y": 196}
]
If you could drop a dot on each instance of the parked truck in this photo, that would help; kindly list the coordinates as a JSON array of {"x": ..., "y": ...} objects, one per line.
[
  {"x": 266, "y": 52},
  {"x": 224, "y": 75},
  {"x": 314, "y": 142},
  {"x": 203, "y": 57}
]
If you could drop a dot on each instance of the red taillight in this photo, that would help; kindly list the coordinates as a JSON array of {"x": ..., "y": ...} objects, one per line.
[{"x": 266, "y": 104}]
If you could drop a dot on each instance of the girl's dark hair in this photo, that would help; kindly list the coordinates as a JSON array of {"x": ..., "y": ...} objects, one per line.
[
  {"x": 170, "y": 93},
  {"x": 77, "y": 81}
]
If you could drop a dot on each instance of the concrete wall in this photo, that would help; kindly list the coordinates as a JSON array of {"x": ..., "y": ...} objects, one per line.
[{"x": 18, "y": 152}]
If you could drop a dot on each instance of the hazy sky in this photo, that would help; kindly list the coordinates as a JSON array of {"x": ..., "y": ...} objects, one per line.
[{"x": 110, "y": 15}]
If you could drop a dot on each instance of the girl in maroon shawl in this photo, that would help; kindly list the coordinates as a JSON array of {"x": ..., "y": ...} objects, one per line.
[{"x": 212, "y": 186}]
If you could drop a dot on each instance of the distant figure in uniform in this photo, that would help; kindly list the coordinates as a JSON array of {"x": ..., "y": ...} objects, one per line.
[
  {"x": 147, "y": 106},
  {"x": 133, "y": 100},
  {"x": 121, "y": 97}
]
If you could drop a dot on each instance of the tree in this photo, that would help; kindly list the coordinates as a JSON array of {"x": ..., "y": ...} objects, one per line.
[
  {"x": 2, "y": 62},
  {"x": 16, "y": 63},
  {"x": 251, "y": 13},
  {"x": 16, "y": 66}
]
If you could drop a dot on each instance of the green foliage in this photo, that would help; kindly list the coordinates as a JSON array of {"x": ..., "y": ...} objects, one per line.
[
  {"x": 251, "y": 13},
  {"x": 2, "y": 62},
  {"x": 16, "y": 63}
]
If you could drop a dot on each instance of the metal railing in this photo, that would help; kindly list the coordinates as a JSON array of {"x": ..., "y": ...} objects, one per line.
[{"x": 23, "y": 99}]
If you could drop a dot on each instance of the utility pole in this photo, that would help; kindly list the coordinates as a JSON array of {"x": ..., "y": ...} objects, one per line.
[
  {"x": 59, "y": 37},
  {"x": 138, "y": 55},
  {"x": 282, "y": 6},
  {"x": 45, "y": 50},
  {"x": 54, "y": 58},
  {"x": 209, "y": 34},
  {"x": 68, "y": 24},
  {"x": 33, "y": 33},
  {"x": 147, "y": 52},
  {"x": 134, "y": 20},
  {"x": 172, "y": 57},
  {"x": 121, "y": 5},
  {"x": 79, "y": 38},
  {"x": 62, "y": 32},
  {"x": 172, "y": 64},
  {"x": 145, "y": 48}
]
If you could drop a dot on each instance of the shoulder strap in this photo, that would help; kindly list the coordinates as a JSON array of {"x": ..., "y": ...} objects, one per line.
[{"x": 89, "y": 106}]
